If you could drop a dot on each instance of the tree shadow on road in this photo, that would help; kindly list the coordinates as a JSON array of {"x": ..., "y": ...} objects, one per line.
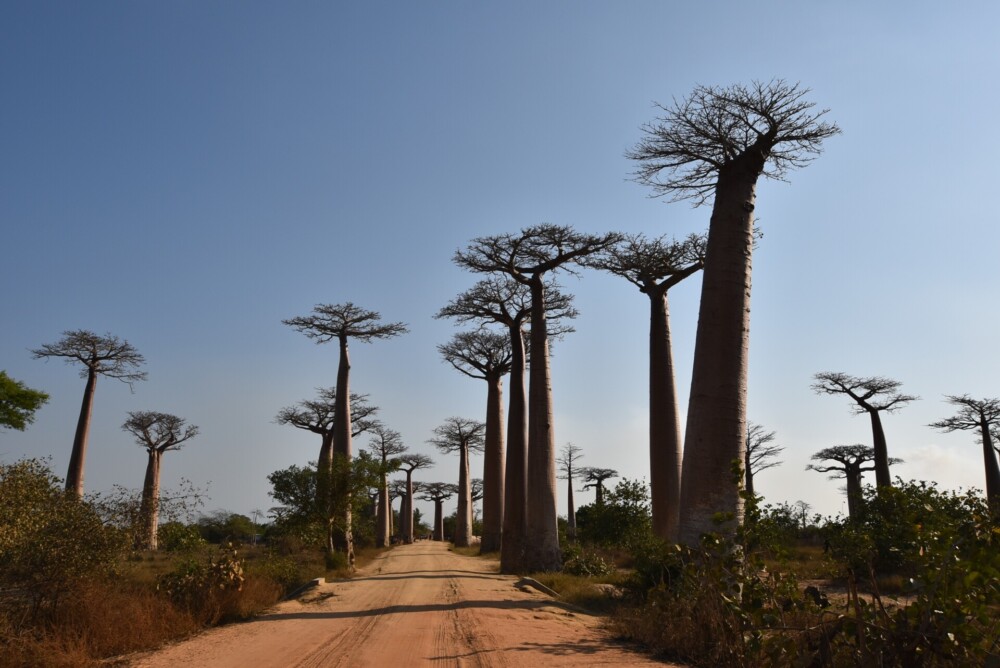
[{"x": 437, "y": 607}]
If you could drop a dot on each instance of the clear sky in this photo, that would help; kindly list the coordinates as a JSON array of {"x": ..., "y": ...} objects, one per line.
[{"x": 187, "y": 174}]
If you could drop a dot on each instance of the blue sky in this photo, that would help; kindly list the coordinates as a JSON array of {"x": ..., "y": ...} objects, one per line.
[{"x": 185, "y": 175}]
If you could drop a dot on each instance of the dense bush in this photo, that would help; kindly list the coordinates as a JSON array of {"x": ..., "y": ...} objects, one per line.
[{"x": 622, "y": 520}]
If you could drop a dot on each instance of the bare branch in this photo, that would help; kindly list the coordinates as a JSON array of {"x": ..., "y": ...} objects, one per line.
[
  {"x": 478, "y": 354},
  {"x": 652, "y": 265},
  {"x": 457, "y": 433},
  {"x": 335, "y": 321},
  {"x": 104, "y": 355},
  {"x": 874, "y": 393},
  {"x": 158, "y": 431}
]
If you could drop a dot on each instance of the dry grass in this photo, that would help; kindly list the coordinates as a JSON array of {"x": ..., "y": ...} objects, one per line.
[{"x": 597, "y": 594}]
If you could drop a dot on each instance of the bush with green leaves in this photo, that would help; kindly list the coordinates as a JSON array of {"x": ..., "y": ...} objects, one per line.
[
  {"x": 577, "y": 561},
  {"x": 622, "y": 520},
  {"x": 179, "y": 537}
]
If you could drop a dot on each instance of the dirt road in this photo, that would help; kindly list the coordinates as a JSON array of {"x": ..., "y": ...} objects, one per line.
[{"x": 416, "y": 605}]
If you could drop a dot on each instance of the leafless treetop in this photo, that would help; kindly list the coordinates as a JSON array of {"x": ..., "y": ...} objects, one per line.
[
  {"x": 874, "y": 393},
  {"x": 480, "y": 354},
  {"x": 106, "y": 355},
  {"x": 502, "y": 299},
  {"x": 759, "y": 449},
  {"x": 437, "y": 491},
  {"x": 158, "y": 431},
  {"x": 476, "y": 489},
  {"x": 385, "y": 443},
  {"x": 972, "y": 414},
  {"x": 397, "y": 488},
  {"x": 457, "y": 432},
  {"x": 411, "y": 462},
  {"x": 532, "y": 252},
  {"x": 596, "y": 476},
  {"x": 335, "y": 321},
  {"x": 317, "y": 415},
  {"x": 567, "y": 459},
  {"x": 684, "y": 150},
  {"x": 849, "y": 458},
  {"x": 652, "y": 263}
]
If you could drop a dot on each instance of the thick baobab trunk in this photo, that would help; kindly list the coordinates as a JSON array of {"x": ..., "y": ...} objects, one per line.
[
  {"x": 383, "y": 517},
  {"x": 515, "y": 481},
  {"x": 715, "y": 437},
  {"x": 570, "y": 508},
  {"x": 342, "y": 539},
  {"x": 664, "y": 423},
  {"x": 854, "y": 495},
  {"x": 463, "y": 517},
  {"x": 992, "y": 471},
  {"x": 493, "y": 467},
  {"x": 438, "y": 519},
  {"x": 541, "y": 549},
  {"x": 149, "y": 508},
  {"x": 407, "y": 519},
  {"x": 882, "y": 476},
  {"x": 74, "y": 476}
]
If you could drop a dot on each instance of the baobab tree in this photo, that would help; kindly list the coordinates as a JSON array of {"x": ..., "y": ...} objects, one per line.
[
  {"x": 527, "y": 258},
  {"x": 384, "y": 445},
  {"x": 503, "y": 300},
  {"x": 850, "y": 463},
  {"x": 595, "y": 477},
  {"x": 760, "y": 454},
  {"x": 982, "y": 415},
  {"x": 654, "y": 266},
  {"x": 715, "y": 145},
  {"x": 463, "y": 436},
  {"x": 397, "y": 489},
  {"x": 106, "y": 356},
  {"x": 567, "y": 461},
  {"x": 486, "y": 355},
  {"x": 18, "y": 403},
  {"x": 343, "y": 322},
  {"x": 319, "y": 417},
  {"x": 438, "y": 492},
  {"x": 408, "y": 463},
  {"x": 157, "y": 433},
  {"x": 873, "y": 395}
]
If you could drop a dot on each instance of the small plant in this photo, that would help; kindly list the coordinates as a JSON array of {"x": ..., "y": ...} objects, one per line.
[{"x": 586, "y": 563}]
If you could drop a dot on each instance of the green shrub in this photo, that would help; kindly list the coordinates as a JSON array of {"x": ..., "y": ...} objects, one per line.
[
  {"x": 586, "y": 563},
  {"x": 179, "y": 537}
]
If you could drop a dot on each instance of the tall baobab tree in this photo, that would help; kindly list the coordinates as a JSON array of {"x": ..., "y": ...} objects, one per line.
[
  {"x": 528, "y": 257},
  {"x": 486, "y": 355},
  {"x": 18, "y": 403},
  {"x": 408, "y": 463},
  {"x": 397, "y": 489},
  {"x": 319, "y": 417},
  {"x": 157, "y": 433},
  {"x": 715, "y": 145},
  {"x": 438, "y": 492},
  {"x": 595, "y": 477},
  {"x": 503, "y": 300},
  {"x": 654, "y": 266},
  {"x": 982, "y": 415},
  {"x": 100, "y": 356},
  {"x": 760, "y": 454},
  {"x": 384, "y": 445},
  {"x": 873, "y": 395},
  {"x": 343, "y": 322},
  {"x": 567, "y": 461},
  {"x": 463, "y": 436},
  {"x": 850, "y": 463}
]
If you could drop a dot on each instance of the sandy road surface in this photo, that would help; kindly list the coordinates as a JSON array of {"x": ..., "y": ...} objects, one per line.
[{"x": 416, "y": 605}]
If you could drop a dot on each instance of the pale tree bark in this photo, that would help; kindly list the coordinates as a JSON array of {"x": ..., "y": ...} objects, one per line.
[
  {"x": 462, "y": 436},
  {"x": 149, "y": 507},
  {"x": 408, "y": 463},
  {"x": 567, "y": 461},
  {"x": 715, "y": 145},
  {"x": 384, "y": 445},
  {"x": 438, "y": 492},
  {"x": 98, "y": 355},
  {"x": 463, "y": 516}
]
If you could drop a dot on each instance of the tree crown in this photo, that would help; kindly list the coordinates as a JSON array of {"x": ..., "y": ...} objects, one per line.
[
  {"x": 157, "y": 431},
  {"x": 410, "y": 462},
  {"x": 652, "y": 265},
  {"x": 874, "y": 393},
  {"x": 18, "y": 403},
  {"x": 437, "y": 491},
  {"x": 848, "y": 458},
  {"x": 481, "y": 353},
  {"x": 760, "y": 453},
  {"x": 972, "y": 414},
  {"x": 105, "y": 355},
  {"x": 341, "y": 321},
  {"x": 567, "y": 460},
  {"x": 457, "y": 433},
  {"x": 317, "y": 415}
]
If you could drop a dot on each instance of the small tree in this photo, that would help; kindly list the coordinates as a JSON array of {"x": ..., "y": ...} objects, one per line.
[
  {"x": 873, "y": 395},
  {"x": 715, "y": 145},
  {"x": 385, "y": 445},
  {"x": 438, "y": 492},
  {"x": 100, "y": 356},
  {"x": 982, "y": 415},
  {"x": 343, "y": 322},
  {"x": 486, "y": 355},
  {"x": 760, "y": 455},
  {"x": 461, "y": 435},
  {"x": 850, "y": 462},
  {"x": 567, "y": 461},
  {"x": 408, "y": 463},
  {"x": 18, "y": 403},
  {"x": 595, "y": 477},
  {"x": 157, "y": 433}
]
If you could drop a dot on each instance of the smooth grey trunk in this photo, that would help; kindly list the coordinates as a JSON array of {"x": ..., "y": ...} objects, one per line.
[
  {"x": 715, "y": 437},
  {"x": 515, "y": 481},
  {"x": 882, "y": 476},
  {"x": 74, "y": 476},
  {"x": 150, "y": 506},
  {"x": 571, "y": 509},
  {"x": 342, "y": 539},
  {"x": 541, "y": 549},
  {"x": 854, "y": 495},
  {"x": 407, "y": 519},
  {"x": 992, "y": 470},
  {"x": 383, "y": 517},
  {"x": 463, "y": 516},
  {"x": 664, "y": 422},
  {"x": 493, "y": 467}
]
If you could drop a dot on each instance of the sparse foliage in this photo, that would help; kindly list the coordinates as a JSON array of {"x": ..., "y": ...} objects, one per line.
[
  {"x": 761, "y": 454},
  {"x": 982, "y": 415}
]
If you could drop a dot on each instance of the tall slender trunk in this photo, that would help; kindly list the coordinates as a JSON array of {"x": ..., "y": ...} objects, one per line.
[
  {"x": 149, "y": 508},
  {"x": 391, "y": 521},
  {"x": 438, "y": 519},
  {"x": 493, "y": 467},
  {"x": 992, "y": 470},
  {"x": 664, "y": 422},
  {"x": 407, "y": 519},
  {"x": 342, "y": 539},
  {"x": 748, "y": 475},
  {"x": 571, "y": 509},
  {"x": 854, "y": 495},
  {"x": 715, "y": 437},
  {"x": 463, "y": 516},
  {"x": 515, "y": 495},
  {"x": 541, "y": 550},
  {"x": 74, "y": 476},
  {"x": 882, "y": 476},
  {"x": 384, "y": 514}
]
